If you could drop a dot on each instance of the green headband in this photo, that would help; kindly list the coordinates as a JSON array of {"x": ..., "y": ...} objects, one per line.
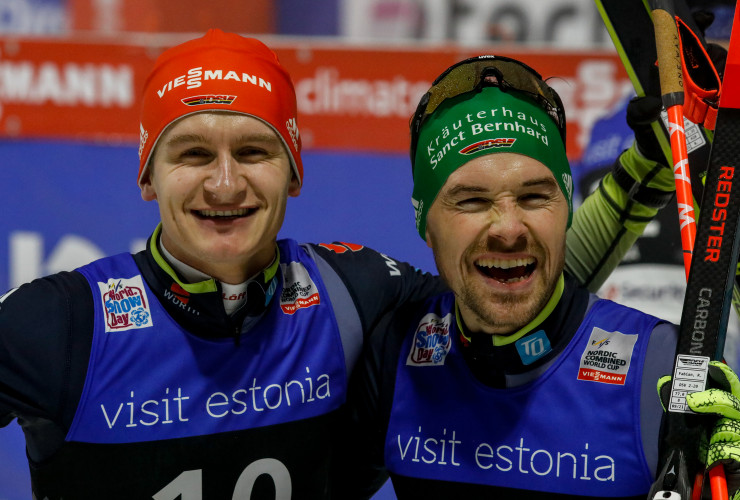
[{"x": 487, "y": 122}]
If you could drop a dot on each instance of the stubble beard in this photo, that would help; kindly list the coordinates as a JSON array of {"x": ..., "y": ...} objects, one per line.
[
  {"x": 506, "y": 313},
  {"x": 502, "y": 313}
]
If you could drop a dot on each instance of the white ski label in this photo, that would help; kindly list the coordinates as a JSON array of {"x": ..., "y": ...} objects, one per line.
[
  {"x": 694, "y": 137},
  {"x": 690, "y": 375}
]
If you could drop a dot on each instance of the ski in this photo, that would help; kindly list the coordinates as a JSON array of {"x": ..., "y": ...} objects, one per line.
[
  {"x": 709, "y": 289},
  {"x": 713, "y": 265}
]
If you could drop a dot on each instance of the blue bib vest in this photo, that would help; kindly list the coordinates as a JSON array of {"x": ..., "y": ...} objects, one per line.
[
  {"x": 175, "y": 413},
  {"x": 575, "y": 430}
]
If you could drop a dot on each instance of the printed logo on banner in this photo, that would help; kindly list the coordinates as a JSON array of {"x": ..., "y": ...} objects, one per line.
[
  {"x": 125, "y": 304},
  {"x": 199, "y": 100},
  {"x": 607, "y": 357},
  {"x": 431, "y": 342},
  {"x": 299, "y": 290},
  {"x": 487, "y": 144}
]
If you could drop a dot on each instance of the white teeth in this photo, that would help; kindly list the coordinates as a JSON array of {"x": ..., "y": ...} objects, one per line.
[
  {"x": 514, "y": 280},
  {"x": 505, "y": 263},
  {"x": 223, "y": 213}
]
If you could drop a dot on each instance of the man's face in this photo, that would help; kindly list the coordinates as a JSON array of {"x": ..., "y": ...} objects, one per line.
[
  {"x": 222, "y": 181},
  {"x": 497, "y": 229}
]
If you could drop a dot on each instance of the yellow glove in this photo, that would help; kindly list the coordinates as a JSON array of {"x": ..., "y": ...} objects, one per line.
[{"x": 723, "y": 401}]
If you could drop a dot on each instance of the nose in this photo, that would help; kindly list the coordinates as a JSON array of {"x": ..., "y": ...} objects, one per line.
[
  {"x": 507, "y": 226},
  {"x": 225, "y": 182}
]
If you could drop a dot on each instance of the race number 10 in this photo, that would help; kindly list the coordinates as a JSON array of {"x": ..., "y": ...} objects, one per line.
[{"x": 189, "y": 484}]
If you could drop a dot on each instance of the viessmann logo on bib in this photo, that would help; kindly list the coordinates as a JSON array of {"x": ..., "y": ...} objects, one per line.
[
  {"x": 125, "y": 304},
  {"x": 299, "y": 291},
  {"x": 607, "y": 357}
]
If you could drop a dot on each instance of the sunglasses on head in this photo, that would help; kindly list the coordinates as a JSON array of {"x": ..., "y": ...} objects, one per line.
[{"x": 471, "y": 75}]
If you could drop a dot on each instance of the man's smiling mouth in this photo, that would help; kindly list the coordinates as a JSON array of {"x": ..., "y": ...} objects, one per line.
[
  {"x": 224, "y": 214},
  {"x": 507, "y": 270}
]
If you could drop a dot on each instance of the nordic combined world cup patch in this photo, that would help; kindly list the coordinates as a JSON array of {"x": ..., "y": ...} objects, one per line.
[
  {"x": 607, "y": 357},
  {"x": 431, "y": 341},
  {"x": 299, "y": 290},
  {"x": 125, "y": 304}
]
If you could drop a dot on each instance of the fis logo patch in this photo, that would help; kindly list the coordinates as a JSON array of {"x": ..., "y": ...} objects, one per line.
[
  {"x": 501, "y": 142},
  {"x": 431, "y": 342},
  {"x": 199, "y": 100},
  {"x": 125, "y": 304},
  {"x": 607, "y": 357},
  {"x": 299, "y": 291}
]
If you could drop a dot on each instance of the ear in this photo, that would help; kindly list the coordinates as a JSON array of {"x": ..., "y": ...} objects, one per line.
[
  {"x": 148, "y": 193},
  {"x": 427, "y": 237},
  {"x": 294, "y": 188}
]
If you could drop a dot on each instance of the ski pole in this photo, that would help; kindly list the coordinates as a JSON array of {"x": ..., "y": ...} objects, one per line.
[{"x": 671, "y": 87}]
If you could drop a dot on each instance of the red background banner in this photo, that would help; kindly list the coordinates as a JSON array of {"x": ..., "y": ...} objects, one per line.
[{"x": 351, "y": 98}]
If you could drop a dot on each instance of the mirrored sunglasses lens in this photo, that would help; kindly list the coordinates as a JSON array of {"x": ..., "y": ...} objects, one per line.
[{"x": 466, "y": 77}]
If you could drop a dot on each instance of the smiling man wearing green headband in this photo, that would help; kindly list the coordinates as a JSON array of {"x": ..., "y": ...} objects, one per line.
[{"x": 518, "y": 380}]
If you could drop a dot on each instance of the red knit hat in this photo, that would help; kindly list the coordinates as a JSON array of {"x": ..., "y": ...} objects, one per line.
[{"x": 220, "y": 71}]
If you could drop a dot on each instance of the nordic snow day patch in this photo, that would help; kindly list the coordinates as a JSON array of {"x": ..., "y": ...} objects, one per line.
[
  {"x": 125, "y": 304},
  {"x": 431, "y": 341},
  {"x": 200, "y": 100}
]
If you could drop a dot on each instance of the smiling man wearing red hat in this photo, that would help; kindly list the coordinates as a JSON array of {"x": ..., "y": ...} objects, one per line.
[{"x": 214, "y": 363}]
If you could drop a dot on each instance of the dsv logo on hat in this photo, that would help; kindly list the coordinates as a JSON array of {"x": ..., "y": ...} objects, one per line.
[
  {"x": 500, "y": 142},
  {"x": 199, "y": 100}
]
